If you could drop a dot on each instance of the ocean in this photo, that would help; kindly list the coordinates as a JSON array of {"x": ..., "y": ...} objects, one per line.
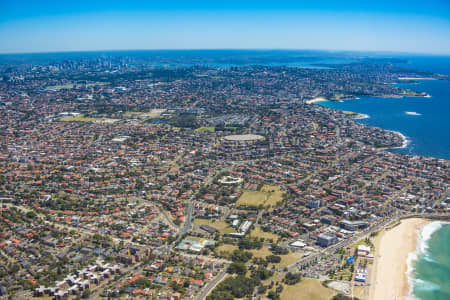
[
  {"x": 425, "y": 122},
  {"x": 429, "y": 267}
]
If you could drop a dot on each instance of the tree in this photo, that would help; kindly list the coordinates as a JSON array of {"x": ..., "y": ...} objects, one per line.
[
  {"x": 31, "y": 215},
  {"x": 262, "y": 273},
  {"x": 273, "y": 295},
  {"x": 237, "y": 287},
  {"x": 220, "y": 295},
  {"x": 273, "y": 258},
  {"x": 237, "y": 268},
  {"x": 250, "y": 243},
  {"x": 86, "y": 294},
  {"x": 262, "y": 289},
  {"x": 241, "y": 256},
  {"x": 291, "y": 278},
  {"x": 278, "y": 250}
]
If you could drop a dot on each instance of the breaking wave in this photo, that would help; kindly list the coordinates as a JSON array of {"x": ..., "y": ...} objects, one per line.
[{"x": 424, "y": 237}]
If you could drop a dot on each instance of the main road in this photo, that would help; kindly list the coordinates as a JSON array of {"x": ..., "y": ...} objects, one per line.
[
  {"x": 211, "y": 285},
  {"x": 362, "y": 235}
]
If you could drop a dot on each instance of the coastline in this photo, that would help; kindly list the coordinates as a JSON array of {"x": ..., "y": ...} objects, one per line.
[
  {"x": 315, "y": 100},
  {"x": 360, "y": 116},
  {"x": 417, "y": 78},
  {"x": 355, "y": 115},
  {"x": 393, "y": 257},
  {"x": 426, "y": 140},
  {"x": 405, "y": 140}
]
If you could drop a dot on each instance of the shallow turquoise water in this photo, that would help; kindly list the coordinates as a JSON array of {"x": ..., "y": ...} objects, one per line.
[{"x": 431, "y": 273}]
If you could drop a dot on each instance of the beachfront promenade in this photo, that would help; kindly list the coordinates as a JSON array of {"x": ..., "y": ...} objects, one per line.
[{"x": 385, "y": 223}]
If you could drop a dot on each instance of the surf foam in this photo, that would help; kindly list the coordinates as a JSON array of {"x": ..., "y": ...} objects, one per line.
[{"x": 424, "y": 235}]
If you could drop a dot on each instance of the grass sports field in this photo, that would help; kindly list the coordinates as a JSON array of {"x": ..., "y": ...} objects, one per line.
[
  {"x": 257, "y": 232},
  {"x": 221, "y": 226},
  {"x": 268, "y": 196},
  {"x": 205, "y": 129},
  {"x": 307, "y": 289},
  {"x": 82, "y": 118},
  {"x": 285, "y": 259}
]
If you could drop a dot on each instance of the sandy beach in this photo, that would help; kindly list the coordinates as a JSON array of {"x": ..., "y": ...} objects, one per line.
[
  {"x": 318, "y": 99},
  {"x": 392, "y": 249}
]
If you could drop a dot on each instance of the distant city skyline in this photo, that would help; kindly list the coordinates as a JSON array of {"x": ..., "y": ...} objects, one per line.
[{"x": 52, "y": 26}]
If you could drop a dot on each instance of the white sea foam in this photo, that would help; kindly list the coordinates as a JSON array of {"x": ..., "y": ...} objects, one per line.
[
  {"x": 405, "y": 140},
  {"x": 410, "y": 297},
  {"x": 424, "y": 235},
  {"x": 410, "y": 262},
  {"x": 361, "y": 117},
  {"x": 426, "y": 285},
  {"x": 413, "y": 113},
  {"x": 422, "y": 285}
]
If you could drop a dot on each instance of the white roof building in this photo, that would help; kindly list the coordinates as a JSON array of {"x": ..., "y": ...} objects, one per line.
[
  {"x": 363, "y": 250},
  {"x": 298, "y": 244}
]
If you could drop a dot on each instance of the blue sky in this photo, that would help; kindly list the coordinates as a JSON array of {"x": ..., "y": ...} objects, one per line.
[{"x": 47, "y": 26}]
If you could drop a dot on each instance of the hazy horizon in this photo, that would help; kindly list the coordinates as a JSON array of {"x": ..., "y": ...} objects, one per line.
[{"x": 331, "y": 51}]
